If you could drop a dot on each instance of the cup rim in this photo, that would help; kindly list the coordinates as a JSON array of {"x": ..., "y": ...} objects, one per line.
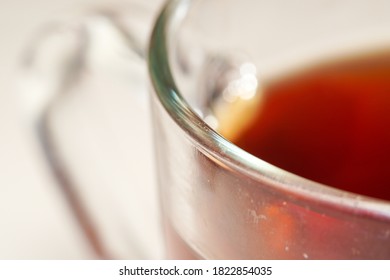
[{"x": 212, "y": 144}]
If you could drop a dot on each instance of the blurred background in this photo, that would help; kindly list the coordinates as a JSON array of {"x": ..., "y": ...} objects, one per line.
[{"x": 99, "y": 126}]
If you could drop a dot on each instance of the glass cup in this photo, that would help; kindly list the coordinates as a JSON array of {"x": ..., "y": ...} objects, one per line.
[{"x": 217, "y": 200}]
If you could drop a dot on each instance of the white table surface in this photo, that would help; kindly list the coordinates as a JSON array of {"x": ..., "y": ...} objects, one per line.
[{"x": 35, "y": 219}]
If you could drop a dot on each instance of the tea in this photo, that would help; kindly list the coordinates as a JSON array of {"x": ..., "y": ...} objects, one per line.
[{"x": 329, "y": 123}]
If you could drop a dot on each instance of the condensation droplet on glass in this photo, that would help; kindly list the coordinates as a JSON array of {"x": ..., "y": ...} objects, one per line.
[{"x": 256, "y": 217}]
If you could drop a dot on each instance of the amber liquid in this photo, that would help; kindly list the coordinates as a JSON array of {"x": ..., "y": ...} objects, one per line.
[{"x": 329, "y": 123}]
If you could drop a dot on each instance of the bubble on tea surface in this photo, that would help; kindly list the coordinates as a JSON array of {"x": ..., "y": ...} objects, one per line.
[{"x": 233, "y": 94}]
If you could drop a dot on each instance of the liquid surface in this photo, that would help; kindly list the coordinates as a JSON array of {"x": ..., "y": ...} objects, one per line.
[{"x": 329, "y": 123}]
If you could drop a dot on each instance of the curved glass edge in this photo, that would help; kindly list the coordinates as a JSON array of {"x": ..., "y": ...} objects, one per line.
[{"x": 214, "y": 145}]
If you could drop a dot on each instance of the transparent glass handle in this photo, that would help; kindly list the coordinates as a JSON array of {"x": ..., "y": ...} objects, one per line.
[{"x": 83, "y": 87}]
